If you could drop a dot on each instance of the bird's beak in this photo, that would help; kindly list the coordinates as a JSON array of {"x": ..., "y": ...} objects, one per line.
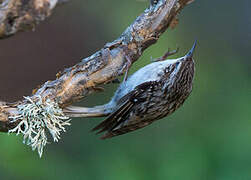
[{"x": 190, "y": 53}]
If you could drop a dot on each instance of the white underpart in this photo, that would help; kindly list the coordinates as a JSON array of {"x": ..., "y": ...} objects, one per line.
[
  {"x": 151, "y": 72},
  {"x": 53, "y": 3}
]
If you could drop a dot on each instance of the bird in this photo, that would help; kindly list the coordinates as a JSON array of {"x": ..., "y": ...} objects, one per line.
[{"x": 151, "y": 93}]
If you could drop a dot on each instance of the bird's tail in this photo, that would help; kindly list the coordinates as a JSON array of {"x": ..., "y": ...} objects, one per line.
[{"x": 97, "y": 111}]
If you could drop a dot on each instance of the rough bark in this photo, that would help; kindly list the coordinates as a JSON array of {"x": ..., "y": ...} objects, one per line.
[{"x": 105, "y": 65}]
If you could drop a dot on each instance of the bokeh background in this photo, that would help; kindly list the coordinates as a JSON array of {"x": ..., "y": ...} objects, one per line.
[{"x": 209, "y": 138}]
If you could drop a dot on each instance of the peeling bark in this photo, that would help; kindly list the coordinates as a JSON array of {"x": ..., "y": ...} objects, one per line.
[{"x": 78, "y": 81}]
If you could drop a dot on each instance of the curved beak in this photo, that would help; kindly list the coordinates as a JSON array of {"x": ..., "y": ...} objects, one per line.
[{"x": 190, "y": 53}]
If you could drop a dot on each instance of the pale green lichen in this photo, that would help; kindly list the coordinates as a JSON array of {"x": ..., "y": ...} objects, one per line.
[{"x": 36, "y": 118}]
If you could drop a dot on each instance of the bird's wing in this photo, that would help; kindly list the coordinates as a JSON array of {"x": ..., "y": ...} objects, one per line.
[{"x": 115, "y": 124}]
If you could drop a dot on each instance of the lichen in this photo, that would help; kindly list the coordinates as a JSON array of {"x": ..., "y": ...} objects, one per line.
[{"x": 35, "y": 118}]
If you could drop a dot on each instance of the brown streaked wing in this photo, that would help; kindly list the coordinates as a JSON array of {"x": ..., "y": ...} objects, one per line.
[{"x": 119, "y": 116}]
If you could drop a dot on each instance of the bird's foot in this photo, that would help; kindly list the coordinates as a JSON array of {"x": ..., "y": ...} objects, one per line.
[
  {"x": 128, "y": 65},
  {"x": 167, "y": 54}
]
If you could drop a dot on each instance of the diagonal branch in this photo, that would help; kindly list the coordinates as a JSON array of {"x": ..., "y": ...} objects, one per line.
[{"x": 105, "y": 65}]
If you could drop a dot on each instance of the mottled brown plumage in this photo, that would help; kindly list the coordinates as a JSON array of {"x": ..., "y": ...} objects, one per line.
[
  {"x": 151, "y": 93},
  {"x": 151, "y": 100}
]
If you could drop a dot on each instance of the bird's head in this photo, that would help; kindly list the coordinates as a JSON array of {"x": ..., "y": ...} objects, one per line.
[{"x": 181, "y": 70}]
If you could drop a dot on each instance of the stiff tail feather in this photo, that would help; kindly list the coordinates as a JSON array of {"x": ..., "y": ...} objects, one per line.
[{"x": 97, "y": 111}]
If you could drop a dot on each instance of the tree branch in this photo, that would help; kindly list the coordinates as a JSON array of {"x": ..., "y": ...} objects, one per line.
[
  {"x": 105, "y": 65},
  {"x": 20, "y": 15}
]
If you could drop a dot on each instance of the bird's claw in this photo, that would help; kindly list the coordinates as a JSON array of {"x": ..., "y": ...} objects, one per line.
[
  {"x": 167, "y": 54},
  {"x": 129, "y": 64}
]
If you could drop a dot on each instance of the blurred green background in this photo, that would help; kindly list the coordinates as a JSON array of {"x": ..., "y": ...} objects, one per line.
[{"x": 209, "y": 138}]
